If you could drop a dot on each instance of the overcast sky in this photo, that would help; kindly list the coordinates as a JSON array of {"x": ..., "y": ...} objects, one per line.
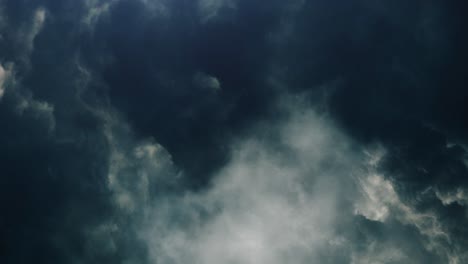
[{"x": 233, "y": 131}]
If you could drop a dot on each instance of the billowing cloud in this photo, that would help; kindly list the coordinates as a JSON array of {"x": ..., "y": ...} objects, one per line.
[
  {"x": 274, "y": 202},
  {"x": 219, "y": 131},
  {"x": 283, "y": 200}
]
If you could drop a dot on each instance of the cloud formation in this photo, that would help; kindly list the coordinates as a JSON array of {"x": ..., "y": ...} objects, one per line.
[
  {"x": 264, "y": 206},
  {"x": 154, "y": 131},
  {"x": 4, "y": 75}
]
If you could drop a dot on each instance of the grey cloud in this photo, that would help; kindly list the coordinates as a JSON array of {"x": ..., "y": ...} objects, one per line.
[
  {"x": 381, "y": 202},
  {"x": 458, "y": 195},
  {"x": 149, "y": 131},
  {"x": 264, "y": 206},
  {"x": 210, "y": 9},
  {"x": 25, "y": 34},
  {"x": 285, "y": 200},
  {"x": 35, "y": 29},
  {"x": 96, "y": 9},
  {"x": 4, "y": 76},
  {"x": 21, "y": 101},
  {"x": 20, "y": 98},
  {"x": 136, "y": 169},
  {"x": 207, "y": 81}
]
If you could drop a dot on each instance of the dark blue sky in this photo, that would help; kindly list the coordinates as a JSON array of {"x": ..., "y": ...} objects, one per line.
[{"x": 233, "y": 131}]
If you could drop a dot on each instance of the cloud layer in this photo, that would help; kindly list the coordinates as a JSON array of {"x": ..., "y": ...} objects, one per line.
[{"x": 232, "y": 131}]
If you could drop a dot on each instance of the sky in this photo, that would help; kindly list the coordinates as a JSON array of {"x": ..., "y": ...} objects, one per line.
[{"x": 233, "y": 131}]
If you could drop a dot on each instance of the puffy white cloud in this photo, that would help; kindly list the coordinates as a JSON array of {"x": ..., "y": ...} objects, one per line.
[
  {"x": 378, "y": 196},
  {"x": 265, "y": 205},
  {"x": 281, "y": 201}
]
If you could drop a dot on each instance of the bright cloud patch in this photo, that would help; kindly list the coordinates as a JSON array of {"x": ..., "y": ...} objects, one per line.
[
  {"x": 265, "y": 206},
  {"x": 207, "y": 81},
  {"x": 3, "y": 77}
]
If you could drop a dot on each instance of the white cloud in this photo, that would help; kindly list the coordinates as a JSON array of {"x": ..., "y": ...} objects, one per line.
[
  {"x": 38, "y": 22},
  {"x": 380, "y": 202},
  {"x": 280, "y": 202},
  {"x": 459, "y": 196},
  {"x": 275, "y": 201},
  {"x": 265, "y": 206},
  {"x": 379, "y": 195}
]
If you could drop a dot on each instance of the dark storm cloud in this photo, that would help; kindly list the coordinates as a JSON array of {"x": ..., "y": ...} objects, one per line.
[
  {"x": 54, "y": 157},
  {"x": 392, "y": 72},
  {"x": 155, "y": 62},
  {"x": 396, "y": 63},
  {"x": 154, "y": 131}
]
